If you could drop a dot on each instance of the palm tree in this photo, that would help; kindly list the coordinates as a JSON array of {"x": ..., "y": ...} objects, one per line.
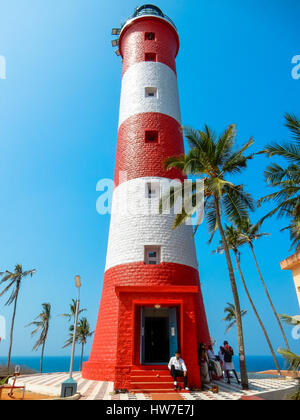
[
  {"x": 82, "y": 334},
  {"x": 292, "y": 358},
  {"x": 42, "y": 325},
  {"x": 235, "y": 239},
  {"x": 72, "y": 313},
  {"x": 294, "y": 229},
  {"x": 250, "y": 233},
  {"x": 215, "y": 159},
  {"x": 285, "y": 179},
  {"x": 71, "y": 316},
  {"x": 13, "y": 281},
  {"x": 230, "y": 317}
]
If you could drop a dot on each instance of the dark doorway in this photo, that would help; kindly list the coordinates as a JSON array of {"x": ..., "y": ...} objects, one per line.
[
  {"x": 156, "y": 340},
  {"x": 158, "y": 334}
]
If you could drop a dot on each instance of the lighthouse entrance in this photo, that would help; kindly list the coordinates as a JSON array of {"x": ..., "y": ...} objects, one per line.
[{"x": 158, "y": 335}]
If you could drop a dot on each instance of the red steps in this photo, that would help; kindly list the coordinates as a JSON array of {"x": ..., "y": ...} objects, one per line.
[
  {"x": 140, "y": 379},
  {"x": 163, "y": 373},
  {"x": 153, "y": 385},
  {"x": 153, "y": 380},
  {"x": 147, "y": 390}
]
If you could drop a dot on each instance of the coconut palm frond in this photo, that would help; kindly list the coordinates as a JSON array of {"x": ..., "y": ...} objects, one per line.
[
  {"x": 292, "y": 359},
  {"x": 41, "y": 324},
  {"x": 291, "y": 320},
  {"x": 286, "y": 179},
  {"x": 230, "y": 326},
  {"x": 230, "y": 317},
  {"x": 213, "y": 158},
  {"x": 82, "y": 334},
  {"x": 293, "y": 123},
  {"x": 14, "y": 280},
  {"x": 72, "y": 312}
]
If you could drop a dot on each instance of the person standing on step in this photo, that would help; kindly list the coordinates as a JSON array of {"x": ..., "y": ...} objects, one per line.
[
  {"x": 228, "y": 362},
  {"x": 178, "y": 369},
  {"x": 204, "y": 365}
]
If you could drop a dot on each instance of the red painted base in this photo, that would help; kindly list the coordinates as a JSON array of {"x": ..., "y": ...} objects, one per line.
[{"x": 127, "y": 288}]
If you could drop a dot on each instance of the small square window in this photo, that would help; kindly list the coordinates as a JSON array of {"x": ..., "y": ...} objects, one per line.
[
  {"x": 150, "y": 57},
  {"x": 151, "y": 92},
  {"x": 150, "y": 36},
  {"x": 151, "y": 136},
  {"x": 152, "y": 190},
  {"x": 152, "y": 255}
]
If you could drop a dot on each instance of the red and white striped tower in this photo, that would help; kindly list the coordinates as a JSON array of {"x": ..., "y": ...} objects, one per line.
[{"x": 151, "y": 299}]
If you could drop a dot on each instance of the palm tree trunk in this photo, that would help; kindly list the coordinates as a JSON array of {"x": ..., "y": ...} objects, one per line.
[
  {"x": 239, "y": 324},
  {"x": 81, "y": 359},
  {"x": 12, "y": 327},
  {"x": 44, "y": 344},
  {"x": 42, "y": 357},
  {"x": 269, "y": 297},
  {"x": 256, "y": 313}
]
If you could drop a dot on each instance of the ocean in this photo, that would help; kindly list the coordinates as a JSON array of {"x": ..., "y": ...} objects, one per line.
[
  {"x": 62, "y": 363},
  {"x": 50, "y": 363}
]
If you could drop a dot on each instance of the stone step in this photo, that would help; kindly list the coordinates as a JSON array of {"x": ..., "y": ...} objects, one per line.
[
  {"x": 153, "y": 380},
  {"x": 158, "y": 391},
  {"x": 149, "y": 373},
  {"x": 149, "y": 369},
  {"x": 152, "y": 385},
  {"x": 149, "y": 378}
]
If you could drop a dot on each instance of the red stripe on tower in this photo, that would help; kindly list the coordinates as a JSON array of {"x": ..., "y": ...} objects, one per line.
[
  {"x": 149, "y": 139},
  {"x": 151, "y": 300},
  {"x": 147, "y": 37}
]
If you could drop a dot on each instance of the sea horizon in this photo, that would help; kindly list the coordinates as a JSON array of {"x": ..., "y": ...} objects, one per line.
[{"x": 54, "y": 364}]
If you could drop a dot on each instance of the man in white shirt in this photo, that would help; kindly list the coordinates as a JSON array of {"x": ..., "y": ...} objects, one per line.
[{"x": 178, "y": 369}]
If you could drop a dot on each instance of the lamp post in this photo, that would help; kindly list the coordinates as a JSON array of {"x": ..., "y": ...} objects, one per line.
[{"x": 69, "y": 387}]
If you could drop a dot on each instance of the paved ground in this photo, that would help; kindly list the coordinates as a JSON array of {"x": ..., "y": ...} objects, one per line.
[{"x": 50, "y": 384}]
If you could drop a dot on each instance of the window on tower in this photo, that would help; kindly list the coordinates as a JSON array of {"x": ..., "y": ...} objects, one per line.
[
  {"x": 150, "y": 36},
  {"x": 152, "y": 255},
  {"x": 150, "y": 57},
  {"x": 151, "y": 136},
  {"x": 152, "y": 190},
  {"x": 151, "y": 92}
]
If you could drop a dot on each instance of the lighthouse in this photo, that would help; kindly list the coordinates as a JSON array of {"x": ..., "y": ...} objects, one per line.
[{"x": 151, "y": 302}]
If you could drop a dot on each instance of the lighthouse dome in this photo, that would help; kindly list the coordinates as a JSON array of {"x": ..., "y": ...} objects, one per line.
[{"x": 149, "y": 10}]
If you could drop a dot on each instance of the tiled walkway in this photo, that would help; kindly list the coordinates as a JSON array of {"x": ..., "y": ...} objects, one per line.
[{"x": 50, "y": 384}]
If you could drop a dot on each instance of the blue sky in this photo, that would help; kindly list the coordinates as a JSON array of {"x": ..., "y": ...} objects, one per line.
[{"x": 58, "y": 131}]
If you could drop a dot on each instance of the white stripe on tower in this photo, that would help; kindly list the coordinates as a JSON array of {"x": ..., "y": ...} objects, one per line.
[
  {"x": 145, "y": 74},
  {"x": 139, "y": 224}
]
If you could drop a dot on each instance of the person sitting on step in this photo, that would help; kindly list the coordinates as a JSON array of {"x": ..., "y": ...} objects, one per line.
[{"x": 178, "y": 369}]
